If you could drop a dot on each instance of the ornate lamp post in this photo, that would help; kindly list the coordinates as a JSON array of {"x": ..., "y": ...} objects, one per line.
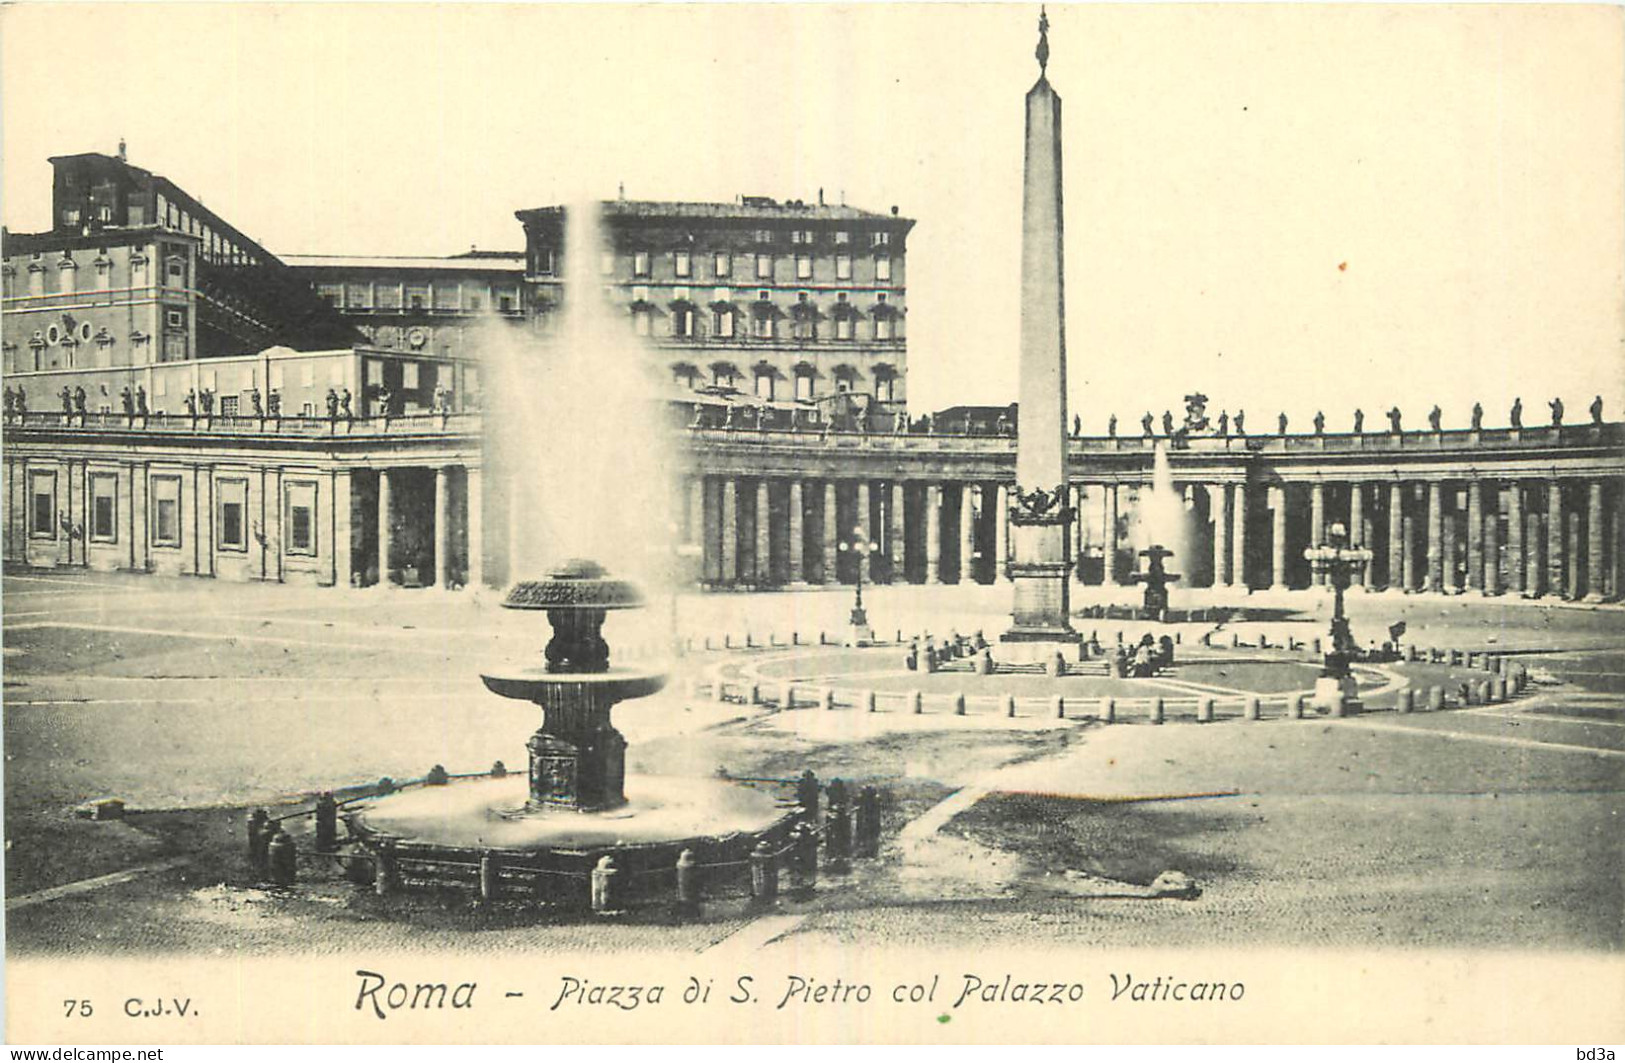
[
  {"x": 860, "y": 547},
  {"x": 1338, "y": 561}
]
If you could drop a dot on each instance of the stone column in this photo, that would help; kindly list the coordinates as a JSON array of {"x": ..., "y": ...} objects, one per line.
[
  {"x": 967, "y": 533},
  {"x": 384, "y": 506},
  {"x": 1595, "y": 584},
  {"x": 897, "y": 534},
  {"x": 1109, "y": 534},
  {"x": 1517, "y": 562},
  {"x": 1490, "y": 575},
  {"x": 474, "y": 488},
  {"x": 831, "y": 559},
  {"x": 1534, "y": 580},
  {"x": 1219, "y": 505},
  {"x": 1435, "y": 577},
  {"x": 1475, "y": 534},
  {"x": 1317, "y": 525},
  {"x": 798, "y": 535},
  {"x": 1001, "y": 536},
  {"x": 1075, "y": 493},
  {"x": 730, "y": 529},
  {"x": 341, "y": 529},
  {"x": 1238, "y": 539},
  {"x": 1365, "y": 577},
  {"x": 933, "y": 533},
  {"x": 442, "y": 527},
  {"x": 1554, "y": 537},
  {"x": 696, "y": 512},
  {"x": 764, "y": 534},
  {"x": 862, "y": 520},
  {"x": 1278, "y": 537},
  {"x": 1398, "y": 565}
]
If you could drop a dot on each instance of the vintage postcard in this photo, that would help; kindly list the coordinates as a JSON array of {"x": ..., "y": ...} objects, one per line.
[{"x": 758, "y": 523}]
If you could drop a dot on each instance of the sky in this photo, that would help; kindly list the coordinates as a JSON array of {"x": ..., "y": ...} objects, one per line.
[{"x": 1285, "y": 208}]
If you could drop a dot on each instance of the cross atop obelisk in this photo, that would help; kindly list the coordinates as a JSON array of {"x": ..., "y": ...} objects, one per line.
[{"x": 1041, "y": 566}]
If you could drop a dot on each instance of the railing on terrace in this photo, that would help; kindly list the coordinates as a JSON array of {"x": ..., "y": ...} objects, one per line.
[{"x": 219, "y": 424}]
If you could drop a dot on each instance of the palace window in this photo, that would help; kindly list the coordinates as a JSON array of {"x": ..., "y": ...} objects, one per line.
[
  {"x": 228, "y": 406},
  {"x": 42, "y": 510},
  {"x": 764, "y": 267},
  {"x": 302, "y": 518},
  {"x": 233, "y": 511},
  {"x": 358, "y": 296},
  {"x": 103, "y": 507},
  {"x": 804, "y": 385},
  {"x": 843, "y": 237},
  {"x": 883, "y": 328},
  {"x": 682, "y": 322},
  {"x": 683, "y": 376},
  {"x": 409, "y": 376},
  {"x": 804, "y": 267},
  {"x": 764, "y": 326},
  {"x": 175, "y": 318},
  {"x": 879, "y": 239},
  {"x": 764, "y": 236},
  {"x": 764, "y": 386},
  {"x": 682, "y": 263},
  {"x": 641, "y": 323},
  {"x": 722, "y": 263},
  {"x": 843, "y": 267},
  {"x": 801, "y": 236},
  {"x": 724, "y": 324},
  {"x": 166, "y": 511},
  {"x": 176, "y": 272},
  {"x": 882, "y": 267},
  {"x": 640, "y": 264},
  {"x": 544, "y": 262},
  {"x": 884, "y": 388}
]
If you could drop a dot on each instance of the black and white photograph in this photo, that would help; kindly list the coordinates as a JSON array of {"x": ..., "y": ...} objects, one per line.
[{"x": 754, "y": 523}]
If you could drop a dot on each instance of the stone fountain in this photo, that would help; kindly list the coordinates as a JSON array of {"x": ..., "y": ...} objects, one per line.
[
  {"x": 577, "y": 803},
  {"x": 1156, "y": 578}
]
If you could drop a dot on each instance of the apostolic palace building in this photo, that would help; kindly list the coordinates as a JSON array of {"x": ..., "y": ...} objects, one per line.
[{"x": 181, "y": 400}]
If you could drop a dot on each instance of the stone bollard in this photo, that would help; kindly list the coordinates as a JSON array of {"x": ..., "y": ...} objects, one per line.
[
  {"x": 916, "y": 702},
  {"x": 327, "y": 823},
  {"x": 1156, "y": 710},
  {"x": 499, "y": 770},
  {"x": 1007, "y": 705},
  {"x": 764, "y": 876},
  {"x": 386, "y": 869},
  {"x": 1412, "y": 653},
  {"x": 1435, "y": 699},
  {"x": 282, "y": 857},
  {"x": 1295, "y": 706},
  {"x": 1471, "y": 658},
  {"x": 928, "y": 660},
  {"x": 866, "y": 823},
  {"x": 1314, "y": 646},
  {"x": 753, "y": 694},
  {"x": 1249, "y": 707},
  {"x": 868, "y": 701},
  {"x": 803, "y": 861},
  {"x": 688, "y": 885},
  {"x": 1108, "y": 710},
  {"x": 1235, "y": 641},
  {"x": 959, "y": 703},
  {"x": 795, "y": 640},
  {"x": 1500, "y": 688},
  {"x": 719, "y": 691},
  {"x": 727, "y": 642},
  {"x": 1056, "y": 665},
  {"x": 1176, "y": 638},
  {"x": 1405, "y": 700},
  {"x": 807, "y": 793},
  {"x": 708, "y": 642},
  {"x": 606, "y": 887},
  {"x": 1454, "y": 657},
  {"x": 259, "y": 836},
  {"x": 1058, "y": 703},
  {"x": 787, "y": 696},
  {"x": 1204, "y": 710},
  {"x": 749, "y": 642},
  {"x": 838, "y": 838},
  {"x": 1263, "y": 641},
  {"x": 826, "y": 699},
  {"x": 490, "y": 878}
]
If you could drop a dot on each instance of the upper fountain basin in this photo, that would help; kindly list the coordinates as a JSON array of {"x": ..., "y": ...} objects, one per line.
[
  {"x": 576, "y": 584},
  {"x": 618, "y": 684}
]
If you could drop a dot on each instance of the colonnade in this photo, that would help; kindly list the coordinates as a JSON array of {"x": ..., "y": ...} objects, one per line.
[
  {"x": 1533, "y": 537},
  {"x": 451, "y": 552}
]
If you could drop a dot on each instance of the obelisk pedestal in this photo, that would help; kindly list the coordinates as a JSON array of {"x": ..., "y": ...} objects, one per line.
[{"x": 1040, "y": 517}]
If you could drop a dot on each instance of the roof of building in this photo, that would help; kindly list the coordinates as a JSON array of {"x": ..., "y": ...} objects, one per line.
[
  {"x": 748, "y": 208},
  {"x": 482, "y": 261}
]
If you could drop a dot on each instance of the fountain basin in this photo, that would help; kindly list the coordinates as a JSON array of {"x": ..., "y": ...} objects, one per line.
[
  {"x": 493, "y": 814},
  {"x": 539, "y": 685}
]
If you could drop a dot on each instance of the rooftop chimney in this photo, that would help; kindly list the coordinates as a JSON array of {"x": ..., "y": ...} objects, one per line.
[
  {"x": 122, "y": 155},
  {"x": 820, "y": 196}
]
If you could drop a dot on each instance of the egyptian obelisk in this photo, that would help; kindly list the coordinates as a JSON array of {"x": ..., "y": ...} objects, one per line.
[{"x": 1039, "y": 515}]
